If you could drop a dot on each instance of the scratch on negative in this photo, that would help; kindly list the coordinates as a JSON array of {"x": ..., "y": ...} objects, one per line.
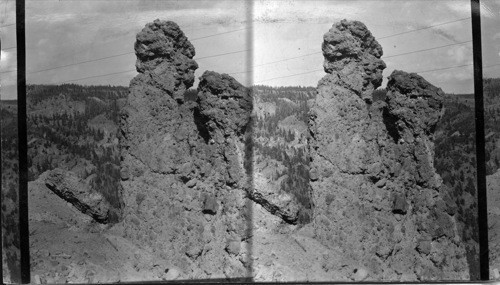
[
  {"x": 112, "y": 244},
  {"x": 301, "y": 246}
]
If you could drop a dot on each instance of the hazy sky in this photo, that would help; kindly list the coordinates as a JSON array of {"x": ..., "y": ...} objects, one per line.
[{"x": 255, "y": 40}]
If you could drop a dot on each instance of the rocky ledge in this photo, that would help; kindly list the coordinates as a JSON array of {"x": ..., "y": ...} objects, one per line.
[{"x": 71, "y": 188}]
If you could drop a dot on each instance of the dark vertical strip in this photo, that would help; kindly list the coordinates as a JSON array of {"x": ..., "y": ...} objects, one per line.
[
  {"x": 249, "y": 150},
  {"x": 2, "y": 199},
  {"x": 480, "y": 145},
  {"x": 23, "y": 142}
]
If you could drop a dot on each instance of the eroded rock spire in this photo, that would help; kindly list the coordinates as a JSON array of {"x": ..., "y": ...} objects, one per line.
[
  {"x": 182, "y": 164},
  {"x": 353, "y": 54},
  {"x": 166, "y": 55},
  {"x": 377, "y": 198}
]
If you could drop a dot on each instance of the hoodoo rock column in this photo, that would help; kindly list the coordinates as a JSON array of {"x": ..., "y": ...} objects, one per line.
[
  {"x": 183, "y": 178},
  {"x": 378, "y": 200}
]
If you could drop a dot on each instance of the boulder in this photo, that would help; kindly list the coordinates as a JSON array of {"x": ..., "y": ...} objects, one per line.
[
  {"x": 172, "y": 273},
  {"x": 399, "y": 206},
  {"x": 233, "y": 246},
  {"x": 424, "y": 246},
  {"x": 210, "y": 205}
]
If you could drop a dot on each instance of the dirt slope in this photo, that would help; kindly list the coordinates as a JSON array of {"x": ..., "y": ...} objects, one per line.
[
  {"x": 67, "y": 246},
  {"x": 493, "y": 187}
]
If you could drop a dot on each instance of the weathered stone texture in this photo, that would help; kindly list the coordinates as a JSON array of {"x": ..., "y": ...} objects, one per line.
[
  {"x": 353, "y": 54},
  {"x": 373, "y": 164},
  {"x": 184, "y": 184}
]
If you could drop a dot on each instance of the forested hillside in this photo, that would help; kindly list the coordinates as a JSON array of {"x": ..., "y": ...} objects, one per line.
[
  {"x": 75, "y": 128},
  {"x": 9, "y": 142},
  {"x": 492, "y": 123},
  {"x": 280, "y": 140},
  {"x": 10, "y": 186}
]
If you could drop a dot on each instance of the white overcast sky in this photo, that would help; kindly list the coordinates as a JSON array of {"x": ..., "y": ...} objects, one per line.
[{"x": 250, "y": 33}]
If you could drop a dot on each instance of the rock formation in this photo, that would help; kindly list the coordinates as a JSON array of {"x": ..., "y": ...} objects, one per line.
[
  {"x": 187, "y": 167},
  {"x": 353, "y": 55},
  {"x": 377, "y": 197},
  {"x": 278, "y": 203},
  {"x": 183, "y": 162},
  {"x": 223, "y": 114},
  {"x": 71, "y": 188}
]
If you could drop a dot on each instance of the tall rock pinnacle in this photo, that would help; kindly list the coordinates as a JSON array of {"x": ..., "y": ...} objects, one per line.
[
  {"x": 224, "y": 111},
  {"x": 378, "y": 202},
  {"x": 183, "y": 161},
  {"x": 377, "y": 198},
  {"x": 414, "y": 107},
  {"x": 166, "y": 56},
  {"x": 353, "y": 54}
]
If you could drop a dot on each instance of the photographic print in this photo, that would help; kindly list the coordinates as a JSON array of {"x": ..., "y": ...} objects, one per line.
[{"x": 284, "y": 140}]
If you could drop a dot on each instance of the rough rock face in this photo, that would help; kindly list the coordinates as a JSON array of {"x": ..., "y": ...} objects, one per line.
[
  {"x": 183, "y": 162},
  {"x": 165, "y": 53},
  {"x": 222, "y": 115},
  {"x": 224, "y": 104},
  {"x": 353, "y": 54},
  {"x": 377, "y": 197},
  {"x": 414, "y": 108},
  {"x": 71, "y": 188}
]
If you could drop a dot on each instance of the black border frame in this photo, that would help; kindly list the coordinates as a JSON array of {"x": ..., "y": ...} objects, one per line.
[
  {"x": 23, "y": 142},
  {"x": 482, "y": 217}
]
